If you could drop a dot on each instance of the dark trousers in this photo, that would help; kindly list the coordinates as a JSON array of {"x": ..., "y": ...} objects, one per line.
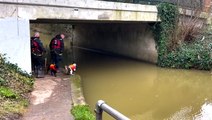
[
  {"x": 56, "y": 58},
  {"x": 38, "y": 66},
  {"x": 37, "y": 61}
]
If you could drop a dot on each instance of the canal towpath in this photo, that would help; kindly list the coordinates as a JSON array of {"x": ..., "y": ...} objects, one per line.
[{"x": 50, "y": 99}]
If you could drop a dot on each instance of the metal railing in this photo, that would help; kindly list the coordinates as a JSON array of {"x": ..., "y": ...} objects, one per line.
[
  {"x": 102, "y": 106},
  {"x": 182, "y": 3},
  {"x": 152, "y": 2}
]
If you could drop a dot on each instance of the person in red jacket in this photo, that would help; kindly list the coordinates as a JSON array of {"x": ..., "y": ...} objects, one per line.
[
  {"x": 56, "y": 49},
  {"x": 37, "y": 53}
]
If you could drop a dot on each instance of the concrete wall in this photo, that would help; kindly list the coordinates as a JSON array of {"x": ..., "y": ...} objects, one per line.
[
  {"x": 78, "y": 10},
  {"x": 15, "y": 41},
  {"x": 128, "y": 39}
]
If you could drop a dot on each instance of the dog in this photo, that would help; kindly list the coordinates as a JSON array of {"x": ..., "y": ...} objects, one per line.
[
  {"x": 53, "y": 70},
  {"x": 70, "y": 69}
]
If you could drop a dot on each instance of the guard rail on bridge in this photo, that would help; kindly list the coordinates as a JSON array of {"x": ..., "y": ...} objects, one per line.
[
  {"x": 102, "y": 106},
  {"x": 149, "y": 2},
  {"x": 183, "y": 3}
]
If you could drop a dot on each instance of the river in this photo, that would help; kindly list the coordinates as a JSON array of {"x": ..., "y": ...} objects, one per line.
[
  {"x": 143, "y": 91},
  {"x": 140, "y": 90}
]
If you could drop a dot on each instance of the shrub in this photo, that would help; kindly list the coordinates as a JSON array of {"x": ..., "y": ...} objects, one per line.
[
  {"x": 187, "y": 56},
  {"x": 8, "y": 93},
  {"x": 2, "y": 81},
  {"x": 14, "y": 87},
  {"x": 82, "y": 112},
  {"x": 177, "y": 42},
  {"x": 13, "y": 77},
  {"x": 165, "y": 31}
]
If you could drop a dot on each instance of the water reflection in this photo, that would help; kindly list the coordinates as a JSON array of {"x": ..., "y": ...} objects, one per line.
[
  {"x": 183, "y": 114},
  {"x": 205, "y": 112},
  {"x": 143, "y": 91}
]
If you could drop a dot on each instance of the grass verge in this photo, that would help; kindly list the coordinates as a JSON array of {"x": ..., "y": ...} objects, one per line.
[
  {"x": 80, "y": 109},
  {"x": 14, "y": 88},
  {"x": 82, "y": 112}
]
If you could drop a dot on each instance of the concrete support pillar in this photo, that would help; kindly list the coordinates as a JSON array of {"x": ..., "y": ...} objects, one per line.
[{"x": 15, "y": 41}]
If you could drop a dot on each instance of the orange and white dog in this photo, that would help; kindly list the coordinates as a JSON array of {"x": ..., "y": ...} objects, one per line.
[{"x": 70, "y": 69}]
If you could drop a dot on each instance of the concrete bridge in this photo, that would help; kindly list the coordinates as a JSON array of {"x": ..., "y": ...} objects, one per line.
[
  {"x": 77, "y": 10},
  {"x": 125, "y": 26}
]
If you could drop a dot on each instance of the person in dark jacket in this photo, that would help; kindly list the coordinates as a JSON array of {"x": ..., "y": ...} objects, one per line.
[
  {"x": 57, "y": 47},
  {"x": 37, "y": 51}
]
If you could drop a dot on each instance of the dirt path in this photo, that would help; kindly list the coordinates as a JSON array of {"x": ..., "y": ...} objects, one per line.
[{"x": 50, "y": 100}]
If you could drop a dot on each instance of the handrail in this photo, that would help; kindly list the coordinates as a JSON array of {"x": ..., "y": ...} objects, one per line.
[
  {"x": 102, "y": 106},
  {"x": 197, "y": 4},
  {"x": 148, "y": 2}
]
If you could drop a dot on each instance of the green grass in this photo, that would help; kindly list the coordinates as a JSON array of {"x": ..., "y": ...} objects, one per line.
[
  {"x": 9, "y": 107},
  {"x": 15, "y": 85},
  {"x": 8, "y": 93},
  {"x": 82, "y": 112}
]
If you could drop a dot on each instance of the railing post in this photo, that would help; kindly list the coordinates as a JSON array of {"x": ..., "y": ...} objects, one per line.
[
  {"x": 102, "y": 106},
  {"x": 98, "y": 110}
]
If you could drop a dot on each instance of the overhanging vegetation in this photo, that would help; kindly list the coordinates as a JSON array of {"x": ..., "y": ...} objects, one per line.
[
  {"x": 14, "y": 87},
  {"x": 180, "y": 41}
]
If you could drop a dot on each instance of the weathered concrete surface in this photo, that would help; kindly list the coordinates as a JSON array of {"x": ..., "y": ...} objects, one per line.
[
  {"x": 15, "y": 41},
  {"x": 133, "y": 40},
  {"x": 78, "y": 10},
  {"x": 77, "y": 93},
  {"x": 50, "y": 100}
]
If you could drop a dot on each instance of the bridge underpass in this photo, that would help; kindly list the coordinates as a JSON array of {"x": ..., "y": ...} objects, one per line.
[
  {"x": 108, "y": 21},
  {"x": 130, "y": 39},
  {"x": 115, "y": 18}
]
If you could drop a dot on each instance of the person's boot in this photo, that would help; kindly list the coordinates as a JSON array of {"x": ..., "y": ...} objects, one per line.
[
  {"x": 40, "y": 72},
  {"x": 36, "y": 71}
]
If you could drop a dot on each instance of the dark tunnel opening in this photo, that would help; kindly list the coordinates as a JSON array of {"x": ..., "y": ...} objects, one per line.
[{"x": 127, "y": 39}]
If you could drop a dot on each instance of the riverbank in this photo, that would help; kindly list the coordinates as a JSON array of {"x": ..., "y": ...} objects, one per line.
[
  {"x": 80, "y": 110},
  {"x": 15, "y": 86}
]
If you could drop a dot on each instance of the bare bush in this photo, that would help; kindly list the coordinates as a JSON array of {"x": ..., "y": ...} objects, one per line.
[{"x": 190, "y": 27}]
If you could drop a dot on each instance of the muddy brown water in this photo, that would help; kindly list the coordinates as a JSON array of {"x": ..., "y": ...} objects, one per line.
[{"x": 143, "y": 91}]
